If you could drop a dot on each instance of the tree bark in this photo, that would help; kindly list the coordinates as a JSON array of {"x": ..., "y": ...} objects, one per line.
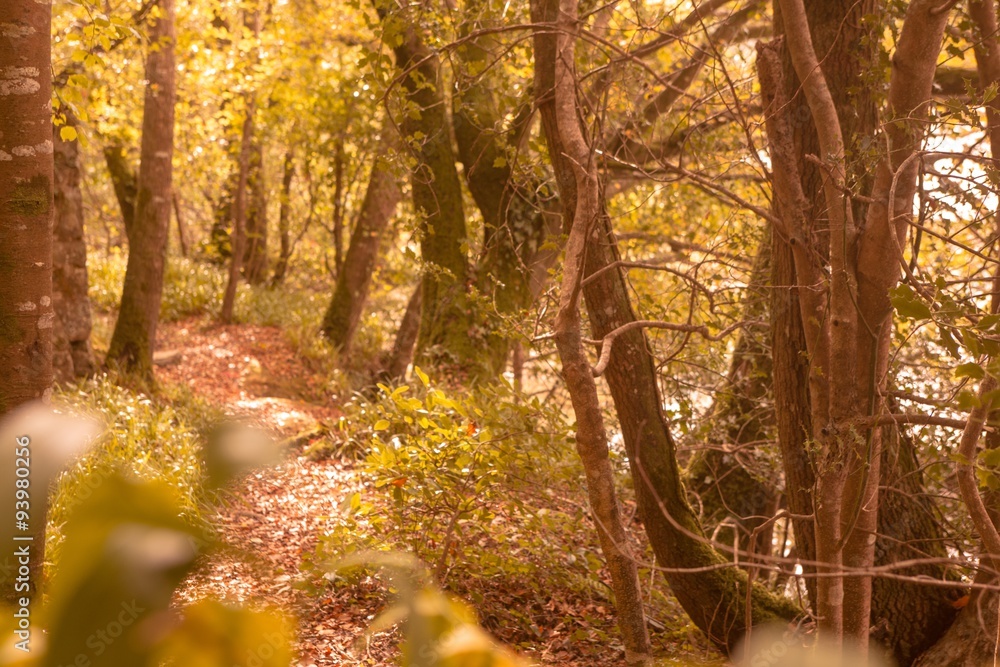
[
  {"x": 713, "y": 595},
  {"x": 284, "y": 224},
  {"x": 406, "y": 338},
  {"x": 444, "y": 338},
  {"x": 26, "y": 218},
  {"x": 727, "y": 481},
  {"x": 255, "y": 260},
  {"x": 26, "y": 204},
  {"x": 513, "y": 216},
  {"x": 341, "y": 320},
  {"x": 132, "y": 343},
  {"x": 591, "y": 436},
  {"x": 123, "y": 179},
  {"x": 72, "y": 356},
  {"x": 182, "y": 240},
  {"x": 238, "y": 237}
]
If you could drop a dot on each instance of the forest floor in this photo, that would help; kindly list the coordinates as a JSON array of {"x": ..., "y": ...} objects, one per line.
[
  {"x": 273, "y": 517},
  {"x": 270, "y": 522}
]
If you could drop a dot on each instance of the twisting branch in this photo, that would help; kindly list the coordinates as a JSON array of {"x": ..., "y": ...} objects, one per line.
[{"x": 700, "y": 329}]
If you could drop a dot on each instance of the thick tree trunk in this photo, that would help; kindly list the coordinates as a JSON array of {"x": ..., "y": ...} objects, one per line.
[
  {"x": 729, "y": 484},
  {"x": 132, "y": 343},
  {"x": 72, "y": 356},
  {"x": 908, "y": 617},
  {"x": 513, "y": 216},
  {"x": 713, "y": 595},
  {"x": 971, "y": 641},
  {"x": 26, "y": 215},
  {"x": 354, "y": 278},
  {"x": 284, "y": 223},
  {"x": 238, "y": 238},
  {"x": 255, "y": 259},
  {"x": 444, "y": 337}
]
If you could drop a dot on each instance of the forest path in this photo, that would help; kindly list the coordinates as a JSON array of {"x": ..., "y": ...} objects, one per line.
[{"x": 273, "y": 517}]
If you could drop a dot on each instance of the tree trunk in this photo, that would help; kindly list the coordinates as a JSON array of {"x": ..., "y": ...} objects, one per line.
[
  {"x": 72, "y": 356},
  {"x": 355, "y": 275},
  {"x": 255, "y": 261},
  {"x": 513, "y": 216},
  {"x": 713, "y": 595},
  {"x": 338, "y": 207},
  {"x": 284, "y": 212},
  {"x": 444, "y": 337},
  {"x": 406, "y": 338},
  {"x": 26, "y": 215},
  {"x": 971, "y": 640},
  {"x": 591, "y": 436},
  {"x": 182, "y": 240},
  {"x": 907, "y": 617},
  {"x": 123, "y": 179},
  {"x": 238, "y": 237},
  {"x": 730, "y": 484},
  {"x": 220, "y": 237},
  {"x": 132, "y": 343}
]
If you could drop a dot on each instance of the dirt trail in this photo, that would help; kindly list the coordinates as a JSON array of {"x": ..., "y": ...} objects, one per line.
[{"x": 274, "y": 515}]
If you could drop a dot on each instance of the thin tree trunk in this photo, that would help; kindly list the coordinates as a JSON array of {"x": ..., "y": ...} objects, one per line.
[
  {"x": 406, "y": 337},
  {"x": 255, "y": 261},
  {"x": 354, "y": 276},
  {"x": 284, "y": 212},
  {"x": 338, "y": 208},
  {"x": 591, "y": 436},
  {"x": 132, "y": 343},
  {"x": 123, "y": 179},
  {"x": 182, "y": 241},
  {"x": 73, "y": 357},
  {"x": 238, "y": 237}
]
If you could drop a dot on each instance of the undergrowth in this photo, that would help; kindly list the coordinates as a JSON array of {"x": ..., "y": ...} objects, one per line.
[
  {"x": 147, "y": 438},
  {"x": 485, "y": 486}
]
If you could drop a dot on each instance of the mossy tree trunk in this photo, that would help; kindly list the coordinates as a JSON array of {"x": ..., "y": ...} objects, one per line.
[
  {"x": 713, "y": 595},
  {"x": 513, "y": 217},
  {"x": 729, "y": 481},
  {"x": 132, "y": 343},
  {"x": 445, "y": 338}
]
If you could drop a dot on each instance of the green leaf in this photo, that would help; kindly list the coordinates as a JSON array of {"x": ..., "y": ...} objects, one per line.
[
  {"x": 908, "y": 304},
  {"x": 970, "y": 370}
]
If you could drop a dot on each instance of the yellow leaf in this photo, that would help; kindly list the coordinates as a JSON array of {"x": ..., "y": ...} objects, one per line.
[{"x": 67, "y": 133}]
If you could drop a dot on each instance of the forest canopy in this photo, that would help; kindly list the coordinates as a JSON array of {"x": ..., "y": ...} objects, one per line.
[{"x": 481, "y": 332}]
